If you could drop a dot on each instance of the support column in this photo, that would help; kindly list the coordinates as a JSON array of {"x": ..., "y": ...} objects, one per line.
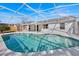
[
  {"x": 74, "y": 28},
  {"x": 35, "y": 27},
  {"x": 27, "y": 27}
]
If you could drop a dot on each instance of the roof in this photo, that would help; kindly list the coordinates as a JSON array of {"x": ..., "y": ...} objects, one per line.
[{"x": 56, "y": 20}]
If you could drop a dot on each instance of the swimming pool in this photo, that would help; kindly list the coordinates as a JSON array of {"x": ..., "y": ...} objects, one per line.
[{"x": 23, "y": 42}]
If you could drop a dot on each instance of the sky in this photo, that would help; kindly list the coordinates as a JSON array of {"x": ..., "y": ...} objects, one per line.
[{"x": 19, "y": 12}]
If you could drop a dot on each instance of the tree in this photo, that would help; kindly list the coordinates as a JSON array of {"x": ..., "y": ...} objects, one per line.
[{"x": 4, "y": 27}]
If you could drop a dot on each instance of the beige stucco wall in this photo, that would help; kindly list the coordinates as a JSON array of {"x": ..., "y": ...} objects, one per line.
[
  {"x": 73, "y": 29},
  {"x": 40, "y": 27},
  {"x": 32, "y": 27},
  {"x": 51, "y": 26}
]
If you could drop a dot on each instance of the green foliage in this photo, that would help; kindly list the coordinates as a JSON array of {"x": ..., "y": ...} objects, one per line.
[{"x": 4, "y": 27}]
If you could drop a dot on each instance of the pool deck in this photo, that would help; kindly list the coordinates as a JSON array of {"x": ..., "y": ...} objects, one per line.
[
  {"x": 74, "y": 51},
  {"x": 49, "y": 32}
]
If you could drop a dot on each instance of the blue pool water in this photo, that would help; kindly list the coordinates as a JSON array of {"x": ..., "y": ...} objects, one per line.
[{"x": 22, "y": 42}]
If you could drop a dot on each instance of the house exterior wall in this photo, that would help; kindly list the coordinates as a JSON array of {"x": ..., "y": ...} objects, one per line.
[
  {"x": 19, "y": 27},
  {"x": 32, "y": 27},
  {"x": 40, "y": 27},
  {"x": 70, "y": 25},
  {"x": 52, "y": 26}
]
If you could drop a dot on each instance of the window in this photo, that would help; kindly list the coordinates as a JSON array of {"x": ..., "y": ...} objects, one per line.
[
  {"x": 62, "y": 25},
  {"x": 29, "y": 27},
  {"x": 45, "y": 26}
]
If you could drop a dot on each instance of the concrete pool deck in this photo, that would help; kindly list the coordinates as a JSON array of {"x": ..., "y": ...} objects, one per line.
[{"x": 74, "y": 51}]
